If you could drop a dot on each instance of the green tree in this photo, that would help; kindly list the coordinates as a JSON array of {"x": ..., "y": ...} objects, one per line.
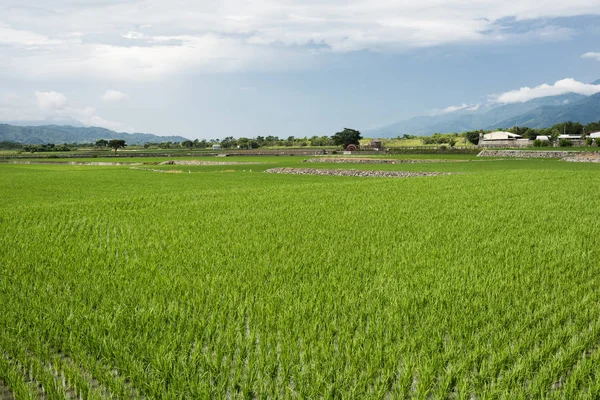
[
  {"x": 101, "y": 143},
  {"x": 187, "y": 143},
  {"x": 473, "y": 137},
  {"x": 229, "y": 142},
  {"x": 592, "y": 127},
  {"x": 347, "y": 137},
  {"x": 116, "y": 144},
  {"x": 243, "y": 143}
]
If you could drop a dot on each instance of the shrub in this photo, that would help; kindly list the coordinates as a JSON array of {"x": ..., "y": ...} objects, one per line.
[
  {"x": 443, "y": 147},
  {"x": 537, "y": 143},
  {"x": 588, "y": 141},
  {"x": 565, "y": 143}
]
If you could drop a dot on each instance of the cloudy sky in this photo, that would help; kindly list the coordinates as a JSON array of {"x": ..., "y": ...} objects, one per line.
[{"x": 207, "y": 69}]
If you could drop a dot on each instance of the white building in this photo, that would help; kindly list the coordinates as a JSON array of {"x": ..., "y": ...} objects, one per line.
[{"x": 501, "y": 135}]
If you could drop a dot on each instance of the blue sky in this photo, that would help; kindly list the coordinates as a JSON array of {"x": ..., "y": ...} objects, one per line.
[{"x": 212, "y": 69}]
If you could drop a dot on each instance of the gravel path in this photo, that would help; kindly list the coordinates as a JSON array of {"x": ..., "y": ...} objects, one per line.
[{"x": 352, "y": 172}]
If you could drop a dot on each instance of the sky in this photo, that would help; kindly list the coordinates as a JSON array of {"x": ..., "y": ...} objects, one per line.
[{"x": 243, "y": 68}]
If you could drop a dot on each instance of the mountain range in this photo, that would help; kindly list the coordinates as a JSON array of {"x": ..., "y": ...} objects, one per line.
[
  {"x": 74, "y": 134},
  {"x": 537, "y": 113}
]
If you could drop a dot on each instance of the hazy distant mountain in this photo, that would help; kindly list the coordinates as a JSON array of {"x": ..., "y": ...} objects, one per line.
[
  {"x": 536, "y": 113},
  {"x": 583, "y": 111},
  {"x": 67, "y": 121},
  {"x": 74, "y": 134}
]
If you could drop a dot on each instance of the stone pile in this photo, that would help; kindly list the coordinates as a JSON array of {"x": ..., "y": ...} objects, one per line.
[
  {"x": 591, "y": 157},
  {"x": 372, "y": 161},
  {"x": 525, "y": 154},
  {"x": 352, "y": 172},
  {"x": 196, "y": 162}
]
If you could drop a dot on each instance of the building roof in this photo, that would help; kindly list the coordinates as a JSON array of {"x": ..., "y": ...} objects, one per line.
[
  {"x": 543, "y": 138},
  {"x": 595, "y": 135},
  {"x": 500, "y": 135},
  {"x": 569, "y": 136}
]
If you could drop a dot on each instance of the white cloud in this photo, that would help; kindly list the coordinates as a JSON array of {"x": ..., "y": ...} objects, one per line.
[
  {"x": 49, "y": 101},
  {"x": 229, "y": 35},
  {"x": 592, "y": 55},
  {"x": 16, "y": 37},
  {"x": 55, "y": 105},
  {"x": 134, "y": 35},
  {"x": 463, "y": 106},
  {"x": 564, "y": 86},
  {"x": 451, "y": 109},
  {"x": 113, "y": 96}
]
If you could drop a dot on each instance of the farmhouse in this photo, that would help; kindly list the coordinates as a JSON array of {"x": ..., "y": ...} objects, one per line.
[
  {"x": 595, "y": 135},
  {"x": 503, "y": 139},
  {"x": 216, "y": 147},
  {"x": 569, "y": 137},
  {"x": 500, "y": 135},
  {"x": 543, "y": 138},
  {"x": 374, "y": 144}
]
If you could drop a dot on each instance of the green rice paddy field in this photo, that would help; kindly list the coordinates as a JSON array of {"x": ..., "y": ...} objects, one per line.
[{"x": 223, "y": 283}]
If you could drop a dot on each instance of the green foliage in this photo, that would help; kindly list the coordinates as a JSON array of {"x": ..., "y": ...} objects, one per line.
[
  {"x": 473, "y": 137},
  {"x": 537, "y": 143},
  {"x": 346, "y": 137},
  {"x": 43, "y": 148},
  {"x": 565, "y": 143},
  {"x": 10, "y": 146},
  {"x": 116, "y": 144},
  {"x": 589, "y": 141}
]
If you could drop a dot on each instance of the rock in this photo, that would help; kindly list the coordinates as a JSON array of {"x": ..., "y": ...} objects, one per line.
[{"x": 525, "y": 154}]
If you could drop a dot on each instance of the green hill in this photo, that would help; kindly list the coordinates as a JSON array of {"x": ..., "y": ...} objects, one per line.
[{"x": 74, "y": 134}]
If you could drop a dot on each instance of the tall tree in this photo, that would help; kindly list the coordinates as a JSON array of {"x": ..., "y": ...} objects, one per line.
[
  {"x": 346, "y": 137},
  {"x": 116, "y": 144}
]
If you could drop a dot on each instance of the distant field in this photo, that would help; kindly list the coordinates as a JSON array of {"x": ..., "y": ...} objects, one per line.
[{"x": 219, "y": 282}]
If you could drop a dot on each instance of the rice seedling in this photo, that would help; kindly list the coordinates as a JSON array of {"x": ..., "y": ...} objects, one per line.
[{"x": 120, "y": 282}]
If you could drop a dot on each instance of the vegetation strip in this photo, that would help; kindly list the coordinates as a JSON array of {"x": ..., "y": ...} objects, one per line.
[
  {"x": 352, "y": 172},
  {"x": 375, "y": 161}
]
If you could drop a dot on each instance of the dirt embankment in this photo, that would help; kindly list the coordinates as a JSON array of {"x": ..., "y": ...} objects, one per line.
[{"x": 352, "y": 172}]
